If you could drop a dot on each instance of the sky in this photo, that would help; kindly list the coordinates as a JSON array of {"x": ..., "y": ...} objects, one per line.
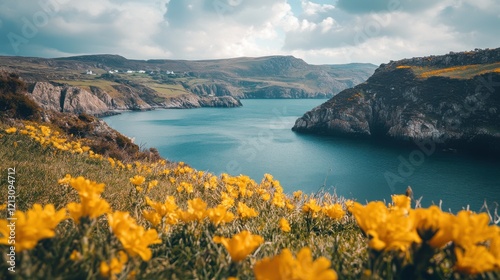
[{"x": 319, "y": 32}]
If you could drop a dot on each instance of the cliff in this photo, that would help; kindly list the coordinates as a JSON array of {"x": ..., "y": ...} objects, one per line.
[
  {"x": 244, "y": 77},
  {"x": 452, "y": 101}
]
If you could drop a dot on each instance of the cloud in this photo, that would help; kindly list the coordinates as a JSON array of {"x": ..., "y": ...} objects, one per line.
[{"x": 318, "y": 31}]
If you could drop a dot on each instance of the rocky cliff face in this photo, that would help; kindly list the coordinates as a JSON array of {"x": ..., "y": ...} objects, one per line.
[
  {"x": 449, "y": 100},
  {"x": 189, "y": 101},
  {"x": 64, "y": 98},
  {"x": 67, "y": 99}
]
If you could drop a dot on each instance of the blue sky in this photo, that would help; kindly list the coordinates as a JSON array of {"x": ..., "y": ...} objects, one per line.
[{"x": 320, "y": 32}]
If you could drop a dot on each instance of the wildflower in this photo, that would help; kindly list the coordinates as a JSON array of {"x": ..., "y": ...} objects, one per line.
[
  {"x": 334, "y": 211},
  {"x": 111, "y": 161},
  {"x": 471, "y": 229},
  {"x": 36, "y": 224},
  {"x": 297, "y": 194},
  {"x": 220, "y": 215},
  {"x": 474, "y": 259},
  {"x": 401, "y": 201},
  {"x": 284, "y": 225},
  {"x": 434, "y": 226},
  {"x": 240, "y": 245},
  {"x": 15, "y": 144},
  {"x": 185, "y": 186},
  {"x": 385, "y": 229},
  {"x": 311, "y": 207},
  {"x": 91, "y": 207},
  {"x": 137, "y": 180},
  {"x": 3, "y": 206},
  {"x": 227, "y": 200},
  {"x": 285, "y": 266},
  {"x": 152, "y": 216},
  {"x": 309, "y": 269},
  {"x": 349, "y": 204},
  {"x": 65, "y": 180},
  {"x": 85, "y": 187},
  {"x": 10, "y": 130},
  {"x": 75, "y": 256},
  {"x": 115, "y": 267},
  {"x": 279, "y": 199},
  {"x": 246, "y": 212},
  {"x": 134, "y": 238},
  {"x": 152, "y": 184},
  {"x": 197, "y": 210},
  {"x": 163, "y": 209}
]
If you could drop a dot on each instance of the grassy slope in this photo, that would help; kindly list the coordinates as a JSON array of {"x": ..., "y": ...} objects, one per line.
[
  {"x": 458, "y": 72},
  {"x": 188, "y": 251}
]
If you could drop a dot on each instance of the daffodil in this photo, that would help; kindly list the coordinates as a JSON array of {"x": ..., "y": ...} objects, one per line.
[{"x": 240, "y": 245}]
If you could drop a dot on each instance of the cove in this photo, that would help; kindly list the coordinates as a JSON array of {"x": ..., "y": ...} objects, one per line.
[{"x": 256, "y": 139}]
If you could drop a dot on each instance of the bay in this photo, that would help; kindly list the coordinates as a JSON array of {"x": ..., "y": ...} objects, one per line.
[{"x": 256, "y": 139}]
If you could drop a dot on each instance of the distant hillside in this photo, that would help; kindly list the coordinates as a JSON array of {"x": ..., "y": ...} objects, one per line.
[
  {"x": 451, "y": 100},
  {"x": 120, "y": 83}
]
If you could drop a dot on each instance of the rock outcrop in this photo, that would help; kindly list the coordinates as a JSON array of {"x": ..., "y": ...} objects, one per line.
[
  {"x": 189, "y": 101},
  {"x": 450, "y": 101},
  {"x": 64, "y": 98},
  {"x": 67, "y": 99}
]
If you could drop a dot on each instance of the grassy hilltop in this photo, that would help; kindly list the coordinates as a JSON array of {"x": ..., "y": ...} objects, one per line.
[{"x": 90, "y": 204}]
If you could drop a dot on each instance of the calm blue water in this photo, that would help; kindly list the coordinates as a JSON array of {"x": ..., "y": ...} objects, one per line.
[{"x": 256, "y": 139}]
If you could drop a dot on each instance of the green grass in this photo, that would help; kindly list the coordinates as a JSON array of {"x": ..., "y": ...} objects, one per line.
[{"x": 187, "y": 251}]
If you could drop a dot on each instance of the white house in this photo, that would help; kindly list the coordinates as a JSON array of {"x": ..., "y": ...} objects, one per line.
[
  {"x": 141, "y": 71},
  {"x": 89, "y": 72},
  {"x": 130, "y": 71}
]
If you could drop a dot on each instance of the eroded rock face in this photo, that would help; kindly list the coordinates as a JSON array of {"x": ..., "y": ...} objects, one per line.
[
  {"x": 67, "y": 99},
  {"x": 188, "y": 101},
  {"x": 396, "y": 104},
  {"x": 97, "y": 102}
]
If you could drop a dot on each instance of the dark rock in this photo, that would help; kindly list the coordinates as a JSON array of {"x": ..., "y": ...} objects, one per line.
[{"x": 397, "y": 104}]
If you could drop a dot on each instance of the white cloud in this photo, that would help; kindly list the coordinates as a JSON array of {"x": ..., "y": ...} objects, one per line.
[{"x": 336, "y": 32}]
